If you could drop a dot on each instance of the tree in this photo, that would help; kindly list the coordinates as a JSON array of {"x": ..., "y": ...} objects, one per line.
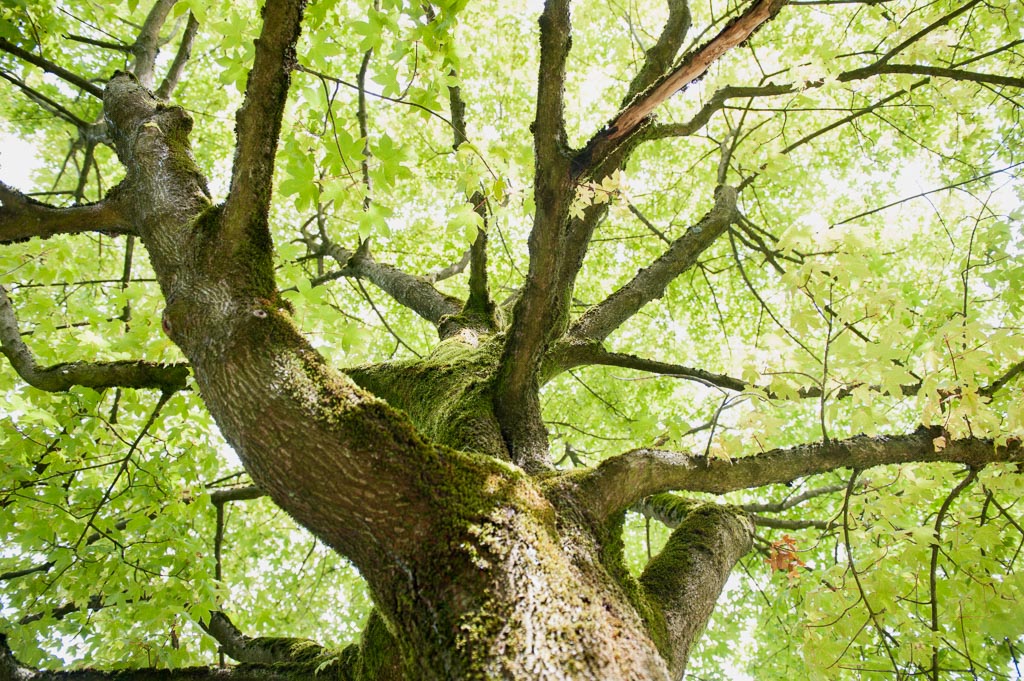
[{"x": 708, "y": 284}]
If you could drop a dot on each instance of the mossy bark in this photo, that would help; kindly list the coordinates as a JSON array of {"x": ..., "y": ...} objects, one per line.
[{"x": 478, "y": 569}]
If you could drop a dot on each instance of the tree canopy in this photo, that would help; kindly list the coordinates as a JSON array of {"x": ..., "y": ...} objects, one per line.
[{"x": 647, "y": 258}]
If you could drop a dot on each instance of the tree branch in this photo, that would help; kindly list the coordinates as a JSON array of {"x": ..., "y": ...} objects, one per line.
[
  {"x": 449, "y": 271},
  {"x": 45, "y": 101},
  {"x": 724, "y": 94},
  {"x": 147, "y": 43},
  {"x": 686, "y": 578},
  {"x": 261, "y": 650},
  {"x": 622, "y": 481},
  {"x": 22, "y": 217},
  {"x": 658, "y": 58},
  {"x": 1001, "y": 382},
  {"x": 936, "y": 71},
  {"x": 541, "y": 310},
  {"x": 693, "y": 66},
  {"x": 50, "y": 67},
  {"x": 181, "y": 58},
  {"x": 13, "y": 670},
  {"x": 790, "y": 502},
  {"x": 650, "y": 283},
  {"x": 571, "y": 354},
  {"x": 415, "y": 293},
  {"x": 941, "y": 21},
  {"x": 479, "y": 308},
  {"x": 96, "y": 375},
  {"x": 259, "y": 126}
]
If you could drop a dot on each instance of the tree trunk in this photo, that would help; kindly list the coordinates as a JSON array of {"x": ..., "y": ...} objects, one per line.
[{"x": 478, "y": 570}]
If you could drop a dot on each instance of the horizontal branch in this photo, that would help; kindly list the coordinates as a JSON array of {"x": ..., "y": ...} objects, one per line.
[
  {"x": 223, "y": 496},
  {"x": 938, "y": 72},
  {"x": 721, "y": 97},
  {"x": 22, "y": 217},
  {"x": 624, "y": 480},
  {"x": 260, "y": 650},
  {"x": 790, "y": 523},
  {"x": 13, "y": 670},
  {"x": 790, "y": 502},
  {"x": 96, "y": 375},
  {"x": 570, "y": 355}
]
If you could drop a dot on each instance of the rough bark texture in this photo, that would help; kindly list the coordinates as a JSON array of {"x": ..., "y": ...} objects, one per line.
[
  {"x": 432, "y": 476},
  {"x": 484, "y": 578}
]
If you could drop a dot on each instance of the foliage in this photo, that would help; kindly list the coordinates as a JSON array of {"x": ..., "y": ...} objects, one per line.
[{"x": 878, "y": 264}]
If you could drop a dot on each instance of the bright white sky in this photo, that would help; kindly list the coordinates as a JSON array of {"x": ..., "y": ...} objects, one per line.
[{"x": 17, "y": 162}]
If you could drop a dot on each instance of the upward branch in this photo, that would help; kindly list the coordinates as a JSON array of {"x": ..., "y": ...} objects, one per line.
[
  {"x": 694, "y": 65},
  {"x": 147, "y": 44},
  {"x": 658, "y": 58},
  {"x": 650, "y": 282},
  {"x": 259, "y": 126},
  {"x": 543, "y": 305}
]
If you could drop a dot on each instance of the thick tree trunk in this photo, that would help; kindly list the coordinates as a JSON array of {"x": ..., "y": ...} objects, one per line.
[{"x": 478, "y": 570}]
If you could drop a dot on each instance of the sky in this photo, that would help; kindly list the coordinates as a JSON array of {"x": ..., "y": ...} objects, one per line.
[{"x": 17, "y": 161}]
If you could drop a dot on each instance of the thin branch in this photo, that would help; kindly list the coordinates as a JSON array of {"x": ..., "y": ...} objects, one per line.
[
  {"x": 383, "y": 319},
  {"x": 50, "y": 67},
  {"x": 938, "y": 23},
  {"x": 45, "y": 101},
  {"x": 791, "y": 524},
  {"x": 364, "y": 128},
  {"x": 934, "y": 564},
  {"x": 647, "y": 223},
  {"x": 377, "y": 95},
  {"x": 929, "y": 192},
  {"x": 97, "y": 375},
  {"x": 164, "y": 397},
  {"x": 105, "y": 44},
  {"x": 181, "y": 58},
  {"x": 621, "y": 481},
  {"x": 872, "y": 613},
  {"x": 650, "y": 283},
  {"x": 449, "y": 271},
  {"x": 569, "y": 355},
  {"x": 1001, "y": 382}
]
